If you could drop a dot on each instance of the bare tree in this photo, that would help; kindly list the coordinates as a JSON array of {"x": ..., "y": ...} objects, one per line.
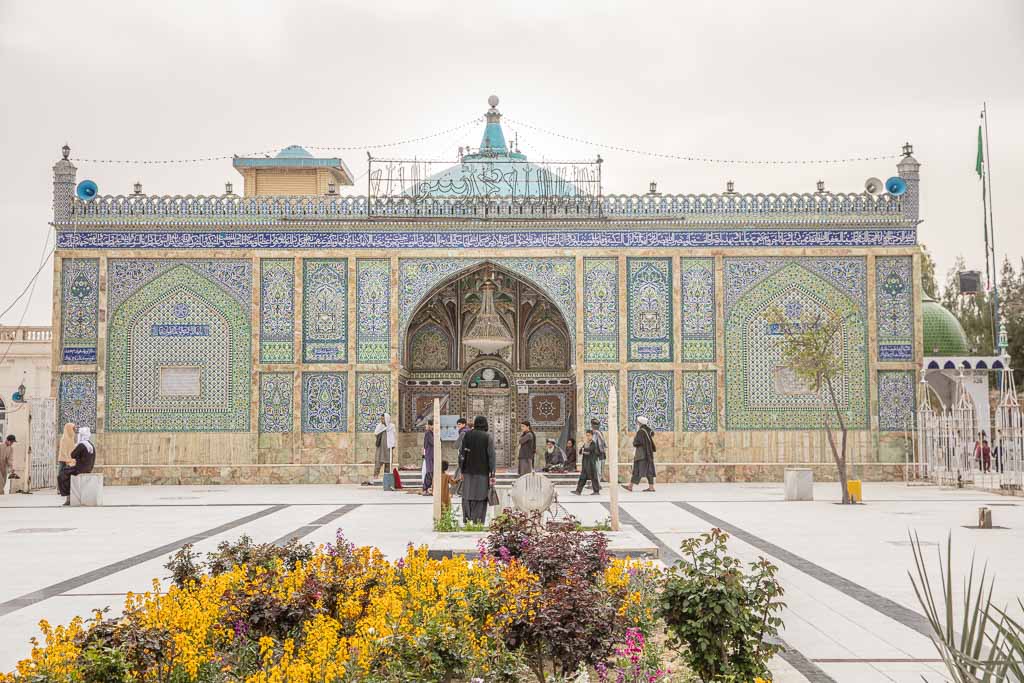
[{"x": 810, "y": 350}]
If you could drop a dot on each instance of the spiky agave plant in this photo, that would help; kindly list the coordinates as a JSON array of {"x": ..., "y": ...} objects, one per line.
[{"x": 987, "y": 646}]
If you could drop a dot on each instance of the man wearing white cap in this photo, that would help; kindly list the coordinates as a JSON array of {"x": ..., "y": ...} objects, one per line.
[{"x": 643, "y": 456}]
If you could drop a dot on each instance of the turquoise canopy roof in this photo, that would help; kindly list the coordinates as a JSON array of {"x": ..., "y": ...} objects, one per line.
[{"x": 494, "y": 171}]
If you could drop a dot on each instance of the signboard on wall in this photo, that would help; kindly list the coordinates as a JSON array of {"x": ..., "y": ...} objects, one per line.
[{"x": 449, "y": 430}]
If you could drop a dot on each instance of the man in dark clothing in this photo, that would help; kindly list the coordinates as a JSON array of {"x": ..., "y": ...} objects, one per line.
[
  {"x": 478, "y": 462},
  {"x": 428, "y": 457},
  {"x": 589, "y": 470},
  {"x": 527, "y": 448},
  {"x": 83, "y": 459},
  {"x": 462, "y": 428},
  {"x": 554, "y": 457},
  {"x": 600, "y": 446},
  {"x": 643, "y": 456}
]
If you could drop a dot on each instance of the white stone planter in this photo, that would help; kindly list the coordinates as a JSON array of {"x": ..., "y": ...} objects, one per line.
[{"x": 799, "y": 483}]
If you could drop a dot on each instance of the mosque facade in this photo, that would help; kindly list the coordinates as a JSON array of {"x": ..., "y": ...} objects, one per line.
[{"x": 258, "y": 337}]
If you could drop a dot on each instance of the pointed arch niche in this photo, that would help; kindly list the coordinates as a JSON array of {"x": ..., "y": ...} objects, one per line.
[{"x": 532, "y": 379}]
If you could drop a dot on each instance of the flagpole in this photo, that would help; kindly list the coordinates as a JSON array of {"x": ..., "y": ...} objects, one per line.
[{"x": 991, "y": 227}]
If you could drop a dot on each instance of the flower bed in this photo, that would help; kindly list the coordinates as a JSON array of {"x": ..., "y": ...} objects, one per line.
[{"x": 541, "y": 604}]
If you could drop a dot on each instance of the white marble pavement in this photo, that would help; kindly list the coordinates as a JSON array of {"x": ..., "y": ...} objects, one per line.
[{"x": 851, "y": 614}]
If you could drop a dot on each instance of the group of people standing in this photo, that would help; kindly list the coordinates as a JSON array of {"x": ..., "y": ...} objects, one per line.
[
  {"x": 988, "y": 458},
  {"x": 477, "y": 459},
  {"x": 592, "y": 455}
]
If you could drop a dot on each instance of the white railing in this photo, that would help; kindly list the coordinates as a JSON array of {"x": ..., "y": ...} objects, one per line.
[
  {"x": 26, "y": 334},
  {"x": 752, "y": 206}
]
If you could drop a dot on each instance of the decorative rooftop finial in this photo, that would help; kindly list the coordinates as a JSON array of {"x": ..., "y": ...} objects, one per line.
[
  {"x": 493, "y": 115},
  {"x": 66, "y": 151},
  {"x": 908, "y": 149}
]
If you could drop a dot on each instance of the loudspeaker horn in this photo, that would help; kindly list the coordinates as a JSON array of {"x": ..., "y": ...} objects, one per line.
[
  {"x": 873, "y": 186},
  {"x": 896, "y": 186},
  {"x": 86, "y": 190}
]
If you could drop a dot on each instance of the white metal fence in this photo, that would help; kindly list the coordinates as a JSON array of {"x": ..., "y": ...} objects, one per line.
[
  {"x": 951, "y": 449},
  {"x": 43, "y": 446}
]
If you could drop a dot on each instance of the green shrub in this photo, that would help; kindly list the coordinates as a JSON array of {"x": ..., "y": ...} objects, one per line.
[{"x": 719, "y": 616}]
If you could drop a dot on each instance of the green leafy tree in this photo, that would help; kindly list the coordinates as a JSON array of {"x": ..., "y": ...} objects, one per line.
[
  {"x": 1011, "y": 310},
  {"x": 928, "y": 281},
  {"x": 973, "y": 311},
  {"x": 810, "y": 348}
]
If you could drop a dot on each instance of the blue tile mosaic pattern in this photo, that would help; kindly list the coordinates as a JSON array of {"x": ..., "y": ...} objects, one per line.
[
  {"x": 894, "y": 307},
  {"x": 897, "y": 400},
  {"x": 700, "y": 406},
  {"x": 179, "y": 316},
  {"x": 373, "y": 311},
  {"x": 76, "y": 400},
  {"x": 373, "y": 398},
  {"x": 651, "y": 395},
  {"x": 276, "y": 400},
  {"x": 601, "y": 310},
  {"x": 595, "y": 397},
  {"x": 470, "y": 239},
  {"x": 325, "y": 310},
  {"x": 80, "y": 288},
  {"x": 324, "y": 402},
  {"x": 697, "y": 282},
  {"x": 761, "y": 392},
  {"x": 649, "y": 309},
  {"x": 277, "y": 310}
]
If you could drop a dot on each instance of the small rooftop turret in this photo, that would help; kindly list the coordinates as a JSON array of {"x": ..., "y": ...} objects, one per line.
[{"x": 294, "y": 171}]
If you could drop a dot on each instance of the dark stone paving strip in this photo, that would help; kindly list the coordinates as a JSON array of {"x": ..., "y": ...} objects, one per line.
[
  {"x": 879, "y": 603},
  {"x": 315, "y": 525},
  {"x": 808, "y": 669},
  {"x": 97, "y": 574},
  {"x": 794, "y": 658}
]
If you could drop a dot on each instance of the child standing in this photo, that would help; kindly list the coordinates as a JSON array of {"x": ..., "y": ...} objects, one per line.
[{"x": 588, "y": 451}]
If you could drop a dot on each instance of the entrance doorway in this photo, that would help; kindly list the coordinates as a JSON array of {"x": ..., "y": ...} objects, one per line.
[{"x": 495, "y": 405}]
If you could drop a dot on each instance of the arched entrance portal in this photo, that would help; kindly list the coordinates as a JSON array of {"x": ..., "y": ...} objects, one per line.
[{"x": 529, "y": 379}]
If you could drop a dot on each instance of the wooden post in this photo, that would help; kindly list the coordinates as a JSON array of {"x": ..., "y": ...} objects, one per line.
[
  {"x": 437, "y": 459},
  {"x": 613, "y": 455}
]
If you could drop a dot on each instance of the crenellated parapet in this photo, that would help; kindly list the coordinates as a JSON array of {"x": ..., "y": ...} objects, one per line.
[{"x": 702, "y": 209}]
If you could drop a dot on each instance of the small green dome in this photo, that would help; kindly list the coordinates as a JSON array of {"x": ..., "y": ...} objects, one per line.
[{"x": 943, "y": 334}]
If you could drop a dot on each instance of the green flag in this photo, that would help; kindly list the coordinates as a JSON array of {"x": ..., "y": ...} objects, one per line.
[{"x": 981, "y": 157}]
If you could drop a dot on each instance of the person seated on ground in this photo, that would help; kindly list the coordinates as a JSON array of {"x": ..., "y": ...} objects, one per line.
[
  {"x": 82, "y": 460},
  {"x": 554, "y": 457},
  {"x": 570, "y": 455}
]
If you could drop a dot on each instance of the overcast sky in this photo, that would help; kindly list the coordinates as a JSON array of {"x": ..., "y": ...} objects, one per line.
[{"x": 740, "y": 79}]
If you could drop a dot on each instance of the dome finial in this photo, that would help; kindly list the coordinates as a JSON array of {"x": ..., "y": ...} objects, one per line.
[{"x": 493, "y": 101}]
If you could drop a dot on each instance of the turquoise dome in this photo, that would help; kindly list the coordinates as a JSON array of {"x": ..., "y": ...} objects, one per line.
[
  {"x": 494, "y": 171},
  {"x": 294, "y": 152}
]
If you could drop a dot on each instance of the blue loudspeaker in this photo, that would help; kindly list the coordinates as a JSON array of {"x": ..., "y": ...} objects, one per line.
[
  {"x": 86, "y": 190},
  {"x": 896, "y": 186}
]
